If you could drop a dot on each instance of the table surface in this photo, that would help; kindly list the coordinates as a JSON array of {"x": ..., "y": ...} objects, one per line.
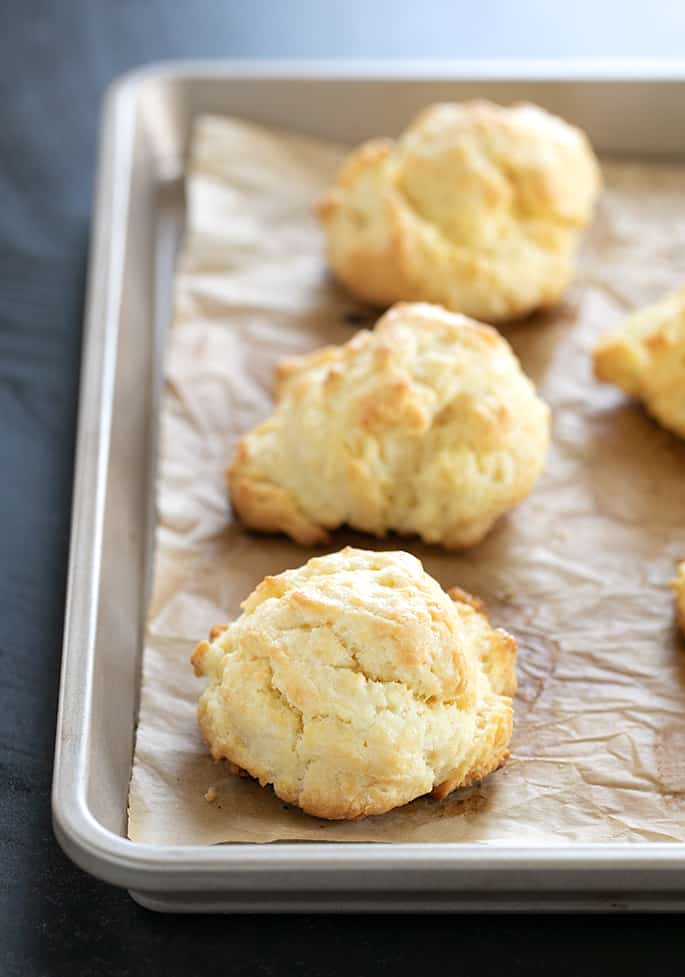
[{"x": 55, "y": 61}]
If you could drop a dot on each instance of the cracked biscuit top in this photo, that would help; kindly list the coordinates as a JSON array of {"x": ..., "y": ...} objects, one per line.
[
  {"x": 426, "y": 426},
  {"x": 354, "y": 684},
  {"x": 645, "y": 357},
  {"x": 476, "y": 207}
]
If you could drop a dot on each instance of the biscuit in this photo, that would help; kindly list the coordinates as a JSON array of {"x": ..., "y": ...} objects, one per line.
[
  {"x": 678, "y": 585},
  {"x": 476, "y": 207},
  {"x": 355, "y": 684},
  {"x": 645, "y": 357},
  {"x": 427, "y": 426}
]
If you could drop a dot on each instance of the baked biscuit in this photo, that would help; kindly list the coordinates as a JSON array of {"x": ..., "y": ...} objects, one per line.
[
  {"x": 678, "y": 585},
  {"x": 476, "y": 207},
  {"x": 427, "y": 426},
  {"x": 645, "y": 357},
  {"x": 354, "y": 684}
]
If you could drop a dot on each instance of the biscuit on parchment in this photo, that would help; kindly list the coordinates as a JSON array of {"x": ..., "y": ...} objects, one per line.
[
  {"x": 426, "y": 426},
  {"x": 645, "y": 357},
  {"x": 477, "y": 207},
  {"x": 355, "y": 684}
]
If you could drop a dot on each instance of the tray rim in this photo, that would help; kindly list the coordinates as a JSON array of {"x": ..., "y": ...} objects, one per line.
[
  {"x": 406, "y": 69},
  {"x": 151, "y": 868}
]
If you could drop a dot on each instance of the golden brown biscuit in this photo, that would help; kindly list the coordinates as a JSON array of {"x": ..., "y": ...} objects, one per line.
[
  {"x": 645, "y": 357},
  {"x": 427, "y": 426},
  {"x": 678, "y": 584},
  {"x": 476, "y": 207},
  {"x": 354, "y": 684}
]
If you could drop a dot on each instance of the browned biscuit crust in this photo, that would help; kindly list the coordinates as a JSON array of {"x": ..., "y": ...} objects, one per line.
[
  {"x": 355, "y": 684},
  {"x": 426, "y": 426},
  {"x": 645, "y": 357},
  {"x": 476, "y": 207}
]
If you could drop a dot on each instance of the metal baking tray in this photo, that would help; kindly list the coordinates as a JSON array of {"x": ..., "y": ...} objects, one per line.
[{"x": 632, "y": 110}]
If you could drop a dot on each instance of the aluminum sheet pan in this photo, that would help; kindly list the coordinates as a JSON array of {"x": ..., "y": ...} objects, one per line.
[{"x": 136, "y": 227}]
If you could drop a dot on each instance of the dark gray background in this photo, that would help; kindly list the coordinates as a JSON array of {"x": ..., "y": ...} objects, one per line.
[{"x": 55, "y": 60}]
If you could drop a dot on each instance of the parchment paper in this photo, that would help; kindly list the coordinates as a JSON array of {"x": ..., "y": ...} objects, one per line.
[{"x": 578, "y": 573}]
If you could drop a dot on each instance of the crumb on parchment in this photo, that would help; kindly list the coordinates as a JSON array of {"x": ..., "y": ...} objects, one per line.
[{"x": 210, "y": 796}]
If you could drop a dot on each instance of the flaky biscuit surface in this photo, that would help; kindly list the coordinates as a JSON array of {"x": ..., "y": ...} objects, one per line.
[
  {"x": 645, "y": 357},
  {"x": 476, "y": 207},
  {"x": 427, "y": 426},
  {"x": 355, "y": 684}
]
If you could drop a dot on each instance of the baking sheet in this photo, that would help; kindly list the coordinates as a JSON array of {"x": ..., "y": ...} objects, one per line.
[{"x": 578, "y": 573}]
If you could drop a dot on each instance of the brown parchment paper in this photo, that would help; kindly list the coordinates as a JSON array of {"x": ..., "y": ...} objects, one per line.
[{"x": 579, "y": 573}]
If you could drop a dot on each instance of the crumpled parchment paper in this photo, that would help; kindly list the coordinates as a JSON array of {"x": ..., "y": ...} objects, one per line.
[{"x": 579, "y": 573}]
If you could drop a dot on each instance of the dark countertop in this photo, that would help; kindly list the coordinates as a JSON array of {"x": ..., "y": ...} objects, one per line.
[{"x": 55, "y": 61}]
